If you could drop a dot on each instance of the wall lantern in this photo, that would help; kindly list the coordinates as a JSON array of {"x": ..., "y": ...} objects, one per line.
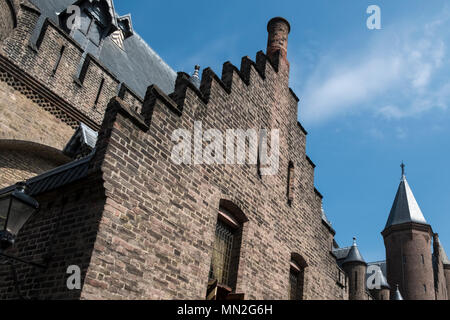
[{"x": 16, "y": 208}]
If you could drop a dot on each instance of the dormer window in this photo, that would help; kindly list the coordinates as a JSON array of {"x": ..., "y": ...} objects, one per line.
[
  {"x": 95, "y": 23},
  {"x": 124, "y": 31},
  {"x": 117, "y": 38}
]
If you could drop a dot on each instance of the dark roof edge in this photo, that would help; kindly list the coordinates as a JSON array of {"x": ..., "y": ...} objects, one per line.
[
  {"x": 54, "y": 172},
  {"x": 318, "y": 193},
  {"x": 302, "y": 128},
  {"x": 329, "y": 227}
]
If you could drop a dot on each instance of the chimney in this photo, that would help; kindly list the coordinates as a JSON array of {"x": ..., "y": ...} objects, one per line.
[{"x": 278, "y": 29}]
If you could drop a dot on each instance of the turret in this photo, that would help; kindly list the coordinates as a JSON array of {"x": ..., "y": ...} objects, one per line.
[
  {"x": 355, "y": 267},
  {"x": 407, "y": 237}
]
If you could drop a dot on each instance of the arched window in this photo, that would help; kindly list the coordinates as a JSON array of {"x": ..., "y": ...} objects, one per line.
[
  {"x": 226, "y": 251},
  {"x": 290, "y": 183},
  {"x": 297, "y": 277}
]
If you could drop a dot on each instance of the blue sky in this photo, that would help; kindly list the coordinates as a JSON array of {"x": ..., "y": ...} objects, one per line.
[{"x": 369, "y": 98}]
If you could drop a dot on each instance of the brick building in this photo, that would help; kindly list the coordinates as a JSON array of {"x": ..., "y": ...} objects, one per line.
[{"x": 87, "y": 116}]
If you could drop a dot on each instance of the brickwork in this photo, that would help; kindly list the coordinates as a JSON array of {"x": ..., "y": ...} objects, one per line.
[
  {"x": 405, "y": 246},
  {"x": 40, "y": 59},
  {"x": 141, "y": 226},
  {"x": 31, "y": 139},
  {"x": 381, "y": 294},
  {"x": 145, "y": 228},
  {"x": 21, "y": 160},
  {"x": 60, "y": 235},
  {"x": 440, "y": 282},
  {"x": 161, "y": 239},
  {"x": 7, "y": 18},
  {"x": 356, "y": 280}
]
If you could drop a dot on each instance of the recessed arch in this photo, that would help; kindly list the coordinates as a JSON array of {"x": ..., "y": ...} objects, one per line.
[
  {"x": 234, "y": 209},
  {"x": 299, "y": 260},
  {"x": 21, "y": 160},
  {"x": 8, "y": 19},
  {"x": 37, "y": 149}
]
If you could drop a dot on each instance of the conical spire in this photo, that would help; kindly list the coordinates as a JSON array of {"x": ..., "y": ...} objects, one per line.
[
  {"x": 354, "y": 255},
  {"x": 405, "y": 208},
  {"x": 397, "y": 295}
]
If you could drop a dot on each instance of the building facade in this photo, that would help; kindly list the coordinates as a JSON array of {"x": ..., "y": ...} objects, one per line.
[{"x": 89, "y": 116}]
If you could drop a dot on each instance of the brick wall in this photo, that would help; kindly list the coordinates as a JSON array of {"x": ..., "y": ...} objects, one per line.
[
  {"x": 31, "y": 139},
  {"x": 405, "y": 244},
  {"x": 146, "y": 229},
  {"x": 356, "y": 280},
  {"x": 60, "y": 235},
  {"x": 40, "y": 59},
  {"x": 381, "y": 294},
  {"x": 158, "y": 226},
  {"x": 7, "y": 18},
  {"x": 439, "y": 271}
]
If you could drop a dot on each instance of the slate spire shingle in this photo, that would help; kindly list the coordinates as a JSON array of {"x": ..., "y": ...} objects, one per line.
[
  {"x": 405, "y": 208},
  {"x": 354, "y": 255}
]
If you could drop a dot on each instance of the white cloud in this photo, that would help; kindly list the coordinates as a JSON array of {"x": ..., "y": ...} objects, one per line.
[{"x": 399, "y": 75}]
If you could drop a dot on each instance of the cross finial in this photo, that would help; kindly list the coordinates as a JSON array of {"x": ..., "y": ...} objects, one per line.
[
  {"x": 403, "y": 169},
  {"x": 354, "y": 241}
]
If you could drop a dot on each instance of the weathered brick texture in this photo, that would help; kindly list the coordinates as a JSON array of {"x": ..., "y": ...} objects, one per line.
[
  {"x": 60, "y": 235},
  {"x": 7, "y": 18},
  {"x": 159, "y": 224},
  {"x": 40, "y": 58},
  {"x": 31, "y": 139},
  {"x": 440, "y": 282},
  {"x": 409, "y": 261},
  {"x": 140, "y": 226}
]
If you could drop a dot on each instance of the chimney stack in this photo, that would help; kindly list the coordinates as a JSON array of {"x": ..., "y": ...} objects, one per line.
[{"x": 278, "y": 29}]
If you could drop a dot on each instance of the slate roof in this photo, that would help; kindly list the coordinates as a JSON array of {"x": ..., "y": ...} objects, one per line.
[
  {"x": 405, "y": 208},
  {"x": 380, "y": 272},
  {"x": 341, "y": 253},
  {"x": 397, "y": 295},
  {"x": 83, "y": 136},
  {"x": 57, "y": 177},
  {"x": 138, "y": 65},
  {"x": 354, "y": 255},
  {"x": 325, "y": 219}
]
